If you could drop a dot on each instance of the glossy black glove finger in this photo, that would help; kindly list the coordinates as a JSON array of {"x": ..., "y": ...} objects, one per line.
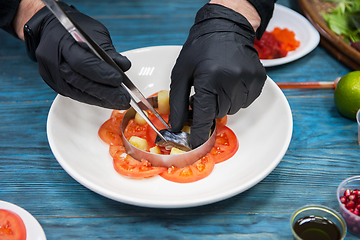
[
  {"x": 122, "y": 61},
  {"x": 92, "y": 92},
  {"x": 84, "y": 62},
  {"x": 204, "y": 112},
  {"x": 179, "y": 96},
  {"x": 72, "y": 70}
]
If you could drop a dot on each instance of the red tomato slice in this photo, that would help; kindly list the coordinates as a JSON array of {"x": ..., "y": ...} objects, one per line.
[
  {"x": 153, "y": 95},
  {"x": 129, "y": 166},
  {"x": 116, "y": 151},
  {"x": 110, "y": 131},
  {"x": 192, "y": 173},
  {"x": 118, "y": 115},
  {"x": 12, "y": 226},
  {"x": 151, "y": 134},
  {"x": 134, "y": 129},
  {"x": 226, "y": 144},
  {"x": 110, "y": 134}
]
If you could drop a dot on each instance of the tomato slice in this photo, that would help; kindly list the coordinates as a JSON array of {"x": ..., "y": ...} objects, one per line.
[
  {"x": 128, "y": 166},
  {"x": 192, "y": 173},
  {"x": 151, "y": 134},
  {"x": 118, "y": 115},
  {"x": 226, "y": 144},
  {"x": 134, "y": 129},
  {"x": 12, "y": 226},
  {"x": 110, "y": 131}
]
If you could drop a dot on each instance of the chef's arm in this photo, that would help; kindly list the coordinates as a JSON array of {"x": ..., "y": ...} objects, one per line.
[
  {"x": 26, "y": 9},
  {"x": 244, "y": 7},
  {"x": 257, "y": 12}
]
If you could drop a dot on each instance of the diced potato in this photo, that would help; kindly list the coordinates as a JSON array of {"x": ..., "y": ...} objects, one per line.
[
  {"x": 163, "y": 102},
  {"x": 186, "y": 129},
  {"x": 139, "y": 142},
  {"x": 139, "y": 119},
  {"x": 176, "y": 151},
  {"x": 155, "y": 149}
]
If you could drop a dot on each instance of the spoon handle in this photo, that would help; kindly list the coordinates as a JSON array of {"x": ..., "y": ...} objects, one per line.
[{"x": 296, "y": 85}]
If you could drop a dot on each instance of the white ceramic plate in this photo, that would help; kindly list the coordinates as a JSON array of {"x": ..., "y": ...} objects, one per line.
[
  {"x": 34, "y": 230},
  {"x": 309, "y": 38},
  {"x": 264, "y": 131}
]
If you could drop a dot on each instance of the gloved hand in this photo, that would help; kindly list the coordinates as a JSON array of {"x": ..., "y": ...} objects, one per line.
[
  {"x": 73, "y": 70},
  {"x": 219, "y": 60}
]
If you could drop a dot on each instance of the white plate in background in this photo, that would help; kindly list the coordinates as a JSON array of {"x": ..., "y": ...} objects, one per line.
[
  {"x": 308, "y": 36},
  {"x": 34, "y": 230}
]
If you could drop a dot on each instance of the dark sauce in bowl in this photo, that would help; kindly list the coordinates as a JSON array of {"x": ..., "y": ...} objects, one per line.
[{"x": 316, "y": 228}]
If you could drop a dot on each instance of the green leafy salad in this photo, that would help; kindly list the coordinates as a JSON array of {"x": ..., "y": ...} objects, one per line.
[{"x": 344, "y": 20}]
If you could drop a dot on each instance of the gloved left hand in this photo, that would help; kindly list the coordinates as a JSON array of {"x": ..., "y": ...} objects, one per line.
[{"x": 72, "y": 70}]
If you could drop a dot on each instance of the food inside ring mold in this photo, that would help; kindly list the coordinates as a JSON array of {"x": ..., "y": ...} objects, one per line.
[{"x": 178, "y": 158}]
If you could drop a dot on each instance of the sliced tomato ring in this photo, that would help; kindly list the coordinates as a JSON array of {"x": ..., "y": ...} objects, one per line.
[
  {"x": 12, "y": 226},
  {"x": 116, "y": 151},
  {"x": 226, "y": 144},
  {"x": 192, "y": 173},
  {"x": 128, "y": 166},
  {"x": 151, "y": 134},
  {"x": 153, "y": 95},
  {"x": 134, "y": 129},
  {"x": 110, "y": 132},
  {"x": 118, "y": 115}
]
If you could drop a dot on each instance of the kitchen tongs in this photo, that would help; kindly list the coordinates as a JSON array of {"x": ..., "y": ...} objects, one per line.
[{"x": 80, "y": 36}]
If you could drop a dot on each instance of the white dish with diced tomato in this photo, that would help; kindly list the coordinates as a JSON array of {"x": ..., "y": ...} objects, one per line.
[{"x": 18, "y": 224}]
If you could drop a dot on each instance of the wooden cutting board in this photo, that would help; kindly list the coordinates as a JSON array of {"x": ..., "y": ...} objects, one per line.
[{"x": 334, "y": 44}]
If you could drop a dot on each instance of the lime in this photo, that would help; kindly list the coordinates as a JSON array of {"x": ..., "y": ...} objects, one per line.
[{"x": 347, "y": 95}]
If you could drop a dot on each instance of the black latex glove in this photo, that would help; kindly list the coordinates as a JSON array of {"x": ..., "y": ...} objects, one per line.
[
  {"x": 73, "y": 70},
  {"x": 220, "y": 61}
]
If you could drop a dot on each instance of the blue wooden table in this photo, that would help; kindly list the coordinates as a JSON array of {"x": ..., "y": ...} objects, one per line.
[{"x": 323, "y": 150}]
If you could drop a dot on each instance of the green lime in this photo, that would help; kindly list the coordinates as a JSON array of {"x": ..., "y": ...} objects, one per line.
[{"x": 347, "y": 95}]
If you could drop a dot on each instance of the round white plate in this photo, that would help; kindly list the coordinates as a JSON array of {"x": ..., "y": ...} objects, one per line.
[
  {"x": 309, "y": 38},
  {"x": 34, "y": 230},
  {"x": 264, "y": 131}
]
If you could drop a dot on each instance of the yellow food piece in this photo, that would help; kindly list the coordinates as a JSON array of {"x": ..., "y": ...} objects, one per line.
[
  {"x": 139, "y": 143},
  {"x": 155, "y": 149},
  {"x": 139, "y": 119},
  {"x": 163, "y": 102},
  {"x": 176, "y": 151},
  {"x": 186, "y": 129}
]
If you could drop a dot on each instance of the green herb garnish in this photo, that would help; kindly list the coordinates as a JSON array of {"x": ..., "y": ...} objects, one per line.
[{"x": 344, "y": 19}]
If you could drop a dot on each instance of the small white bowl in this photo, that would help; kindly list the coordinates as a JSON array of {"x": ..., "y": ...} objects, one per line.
[{"x": 352, "y": 220}]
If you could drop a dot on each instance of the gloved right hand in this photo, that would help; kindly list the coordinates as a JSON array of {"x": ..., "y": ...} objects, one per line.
[
  {"x": 73, "y": 70},
  {"x": 220, "y": 61}
]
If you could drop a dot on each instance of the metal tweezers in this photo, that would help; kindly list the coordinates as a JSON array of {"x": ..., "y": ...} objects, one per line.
[{"x": 80, "y": 36}]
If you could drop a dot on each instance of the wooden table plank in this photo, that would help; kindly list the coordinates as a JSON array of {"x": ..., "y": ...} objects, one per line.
[
  {"x": 296, "y": 169},
  {"x": 323, "y": 150}
]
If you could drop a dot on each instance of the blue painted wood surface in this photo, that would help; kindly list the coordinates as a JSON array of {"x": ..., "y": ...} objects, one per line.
[{"x": 323, "y": 150}]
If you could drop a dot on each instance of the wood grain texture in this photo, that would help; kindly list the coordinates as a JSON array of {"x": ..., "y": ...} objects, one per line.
[{"x": 323, "y": 150}]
